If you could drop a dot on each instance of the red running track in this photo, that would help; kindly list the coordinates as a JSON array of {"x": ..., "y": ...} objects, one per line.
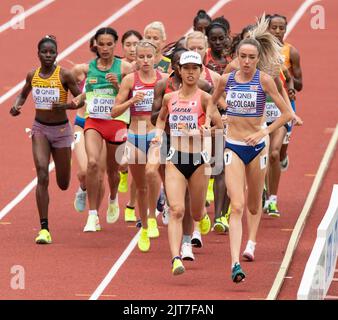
[{"x": 76, "y": 263}]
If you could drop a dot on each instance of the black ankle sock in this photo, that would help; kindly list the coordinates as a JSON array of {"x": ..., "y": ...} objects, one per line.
[
  {"x": 130, "y": 207},
  {"x": 177, "y": 257},
  {"x": 44, "y": 224}
]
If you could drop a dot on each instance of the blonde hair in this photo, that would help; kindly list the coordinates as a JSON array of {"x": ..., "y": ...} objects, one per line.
[
  {"x": 196, "y": 35},
  {"x": 270, "y": 57},
  {"x": 157, "y": 25},
  {"x": 146, "y": 44}
]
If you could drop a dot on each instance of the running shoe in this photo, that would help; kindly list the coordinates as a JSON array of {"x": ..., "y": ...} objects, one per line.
[
  {"x": 178, "y": 267},
  {"x": 91, "y": 223},
  {"x": 210, "y": 192},
  {"x": 144, "y": 241},
  {"x": 196, "y": 239},
  {"x": 97, "y": 224},
  {"x": 161, "y": 201},
  {"x": 237, "y": 274},
  {"x": 138, "y": 223},
  {"x": 227, "y": 215},
  {"x": 80, "y": 200},
  {"x": 113, "y": 212},
  {"x": 284, "y": 164},
  {"x": 264, "y": 197},
  {"x": 43, "y": 237},
  {"x": 273, "y": 210},
  {"x": 123, "y": 185},
  {"x": 249, "y": 252},
  {"x": 221, "y": 225},
  {"x": 205, "y": 224},
  {"x": 186, "y": 252},
  {"x": 165, "y": 215},
  {"x": 153, "y": 231},
  {"x": 129, "y": 215}
]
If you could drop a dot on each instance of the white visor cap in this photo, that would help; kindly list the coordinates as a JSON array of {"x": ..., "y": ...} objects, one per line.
[{"x": 190, "y": 57}]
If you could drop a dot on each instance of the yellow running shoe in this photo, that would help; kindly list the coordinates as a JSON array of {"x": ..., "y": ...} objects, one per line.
[
  {"x": 129, "y": 215},
  {"x": 210, "y": 192},
  {"x": 113, "y": 212},
  {"x": 123, "y": 185},
  {"x": 205, "y": 224},
  {"x": 227, "y": 215},
  {"x": 178, "y": 267},
  {"x": 43, "y": 237},
  {"x": 153, "y": 231},
  {"x": 221, "y": 225},
  {"x": 144, "y": 241}
]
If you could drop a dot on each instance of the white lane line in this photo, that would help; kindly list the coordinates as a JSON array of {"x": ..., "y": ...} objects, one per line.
[
  {"x": 217, "y": 6},
  {"x": 22, "y": 16},
  {"x": 115, "y": 268},
  {"x": 23, "y": 194},
  {"x": 126, "y": 8},
  {"x": 298, "y": 15}
]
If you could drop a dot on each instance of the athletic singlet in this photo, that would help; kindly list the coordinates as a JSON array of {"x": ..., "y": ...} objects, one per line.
[
  {"x": 210, "y": 63},
  {"x": 286, "y": 54},
  {"x": 143, "y": 107},
  {"x": 245, "y": 99},
  {"x": 208, "y": 77},
  {"x": 163, "y": 65},
  {"x": 272, "y": 112},
  {"x": 169, "y": 87},
  {"x": 45, "y": 92},
  {"x": 82, "y": 84},
  {"x": 189, "y": 112},
  {"x": 101, "y": 94}
]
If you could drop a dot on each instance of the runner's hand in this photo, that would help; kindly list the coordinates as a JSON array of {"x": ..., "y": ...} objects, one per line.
[
  {"x": 297, "y": 121},
  {"x": 112, "y": 78},
  {"x": 255, "y": 138},
  {"x": 156, "y": 140},
  {"x": 138, "y": 97}
]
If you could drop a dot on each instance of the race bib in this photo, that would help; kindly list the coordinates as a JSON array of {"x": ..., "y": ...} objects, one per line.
[
  {"x": 45, "y": 97},
  {"x": 271, "y": 112},
  {"x": 190, "y": 122},
  {"x": 101, "y": 107},
  {"x": 146, "y": 104},
  {"x": 241, "y": 102}
]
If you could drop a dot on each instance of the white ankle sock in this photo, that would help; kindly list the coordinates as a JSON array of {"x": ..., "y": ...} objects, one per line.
[
  {"x": 92, "y": 212},
  {"x": 273, "y": 198},
  {"x": 115, "y": 200},
  {"x": 251, "y": 243}
]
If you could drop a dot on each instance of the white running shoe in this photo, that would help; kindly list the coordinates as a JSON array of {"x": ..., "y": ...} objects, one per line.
[
  {"x": 113, "y": 212},
  {"x": 91, "y": 223},
  {"x": 80, "y": 200},
  {"x": 284, "y": 164},
  {"x": 196, "y": 239},
  {"x": 97, "y": 225},
  {"x": 165, "y": 215},
  {"x": 249, "y": 252},
  {"x": 186, "y": 252}
]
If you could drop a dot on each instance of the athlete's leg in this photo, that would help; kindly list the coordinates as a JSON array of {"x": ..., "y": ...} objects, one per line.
[
  {"x": 41, "y": 154},
  {"x": 198, "y": 186},
  {"x": 176, "y": 186},
  {"x": 255, "y": 175},
  {"x": 235, "y": 183},
  {"x": 81, "y": 156},
  {"x": 94, "y": 146}
]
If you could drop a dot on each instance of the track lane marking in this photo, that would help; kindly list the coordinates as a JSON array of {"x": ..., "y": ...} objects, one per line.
[{"x": 25, "y": 14}]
